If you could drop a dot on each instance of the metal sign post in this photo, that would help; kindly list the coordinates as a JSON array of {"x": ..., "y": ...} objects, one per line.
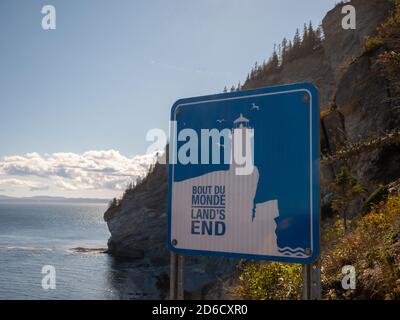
[
  {"x": 312, "y": 281},
  {"x": 176, "y": 277}
]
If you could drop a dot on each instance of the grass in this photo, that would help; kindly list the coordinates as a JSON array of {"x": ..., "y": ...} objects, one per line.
[
  {"x": 373, "y": 248},
  {"x": 372, "y": 43},
  {"x": 267, "y": 281},
  {"x": 327, "y": 111}
]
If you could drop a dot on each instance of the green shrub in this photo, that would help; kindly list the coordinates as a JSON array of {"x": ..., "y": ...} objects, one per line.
[
  {"x": 327, "y": 111},
  {"x": 376, "y": 197},
  {"x": 372, "y": 247},
  {"x": 270, "y": 281},
  {"x": 372, "y": 43},
  {"x": 346, "y": 188}
]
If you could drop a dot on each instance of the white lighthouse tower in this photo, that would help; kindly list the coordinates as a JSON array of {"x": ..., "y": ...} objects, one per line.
[
  {"x": 241, "y": 122},
  {"x": 242, "y": 146}
]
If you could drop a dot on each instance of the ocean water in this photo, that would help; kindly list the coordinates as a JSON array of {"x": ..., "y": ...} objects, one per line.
[{"x": 33, "y": 235}]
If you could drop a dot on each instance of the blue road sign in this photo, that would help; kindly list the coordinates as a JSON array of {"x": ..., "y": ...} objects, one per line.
[{"x": 243, "y": 175}]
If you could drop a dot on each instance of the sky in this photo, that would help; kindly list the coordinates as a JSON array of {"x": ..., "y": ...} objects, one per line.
[{"x": 76, "y": 102}]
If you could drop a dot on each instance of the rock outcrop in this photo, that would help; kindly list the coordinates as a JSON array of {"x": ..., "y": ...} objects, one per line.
[
  {"x": 137, "y": 225},
  {"x": 342, "y": 46},
  {"x": 314, "y": 68},
  {"x": 325, "y": 66},
  {"x": 354, "y": 95},
  {"x": 138, "y": 228}
]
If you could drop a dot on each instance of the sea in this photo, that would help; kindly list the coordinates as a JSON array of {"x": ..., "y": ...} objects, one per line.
[{"x": 35, "y": 234}]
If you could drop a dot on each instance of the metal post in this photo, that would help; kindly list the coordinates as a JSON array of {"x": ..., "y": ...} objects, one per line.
[
  {"x": 312, "y": 281},
  {"x": 176, "y": 277},
  {"x": 172, "y": 277},
  {"x": 180, "y": 291},
  {"x": 306, "y": 288}
]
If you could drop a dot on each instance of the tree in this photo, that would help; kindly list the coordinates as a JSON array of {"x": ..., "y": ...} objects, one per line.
[
  {"x": 306, "y": 39},
  {"x": 346, "y": 188},
  {"x": 289, "y": 52},
  {"x": 318, "y": 37},
  {"x": 255, "y": 70},
  {"x": 264, "y": 66},
  {"x": 252, "y": 73},
  {"x": 284, "y": 46},
  {"x": 296, "y": 44},
  {"x": 290, "y": 46},
  {"x": 113, "y": 203},
  {"x": 311, "y": 37},
  {"x": 275, "y": 61},
  {"x": 280, "y": 54},
  {"x": 225, "y": 90}
]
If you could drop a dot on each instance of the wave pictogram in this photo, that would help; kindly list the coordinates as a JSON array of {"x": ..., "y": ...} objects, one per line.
[{"x": 298, "y": 252}]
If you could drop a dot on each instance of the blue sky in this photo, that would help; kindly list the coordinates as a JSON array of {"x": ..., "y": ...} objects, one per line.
[{"x": 112, "y": 69}]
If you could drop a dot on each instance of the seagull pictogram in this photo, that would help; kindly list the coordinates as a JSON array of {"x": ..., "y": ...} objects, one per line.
[
  {"x": 255, "y": 107},
  {"x": 221, "y": 120}
]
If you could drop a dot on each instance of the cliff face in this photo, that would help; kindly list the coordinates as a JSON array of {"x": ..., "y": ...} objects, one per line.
[
  {"x": 138, "y": 228},
  {"x": 341, "y": 46},
  {"x": 324, "y": 66},
  {"x": 354, "y": 94},
  {"x": 362, "y": 111},
  {"x": 314, "y": 68},
  {"x": 137, "y": 225},
  {"x": 362, "y": 105}
]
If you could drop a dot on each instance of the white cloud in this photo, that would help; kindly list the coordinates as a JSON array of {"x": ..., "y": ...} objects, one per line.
[
  {"x": 70, "y": 171},
  {"x": 32, "y": 185}
]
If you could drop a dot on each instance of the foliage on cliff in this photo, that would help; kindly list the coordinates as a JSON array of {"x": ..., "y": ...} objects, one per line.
[
  {"x": 270, "y": 281},
  {"x": 372, "y": 246},
  {"x": 346, "y": 188},
  {"x": 143, "y": 189},
  {"x": 388, "y": 39},
  {"x": 288, "y": 51},
  {"x": 351, "y": 149}
]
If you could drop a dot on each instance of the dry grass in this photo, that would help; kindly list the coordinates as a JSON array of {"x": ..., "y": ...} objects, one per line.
[{"x": 372, "y": 247}]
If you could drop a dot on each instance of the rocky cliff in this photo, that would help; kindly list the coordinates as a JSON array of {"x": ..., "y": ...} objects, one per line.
[
  {"x": 138, "y": 227},
  {"x": 355, "y": 99},
  {"x": 356, "y": 102},
  {"x": 325, "y": 66}
]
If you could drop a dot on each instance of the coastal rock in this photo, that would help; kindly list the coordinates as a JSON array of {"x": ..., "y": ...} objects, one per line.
[{"x": 138, "y": 228}]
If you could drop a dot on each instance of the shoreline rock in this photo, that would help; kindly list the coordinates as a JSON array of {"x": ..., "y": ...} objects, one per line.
[{"x": 88, "y": 250}]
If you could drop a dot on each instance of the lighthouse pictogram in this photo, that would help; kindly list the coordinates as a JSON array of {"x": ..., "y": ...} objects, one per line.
[{"x": 242, "y": 146}]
